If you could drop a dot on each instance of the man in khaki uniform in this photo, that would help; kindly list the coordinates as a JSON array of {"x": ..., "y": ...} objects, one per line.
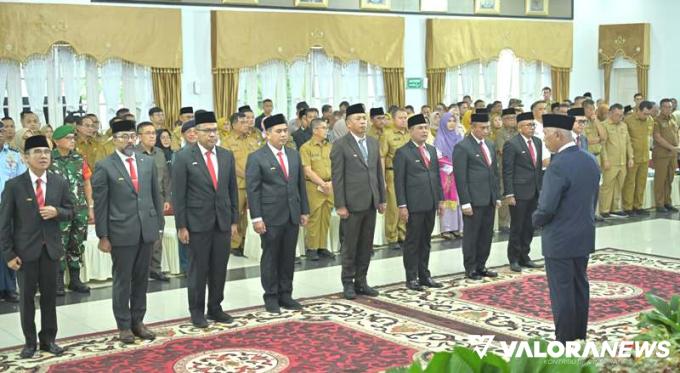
[
  {"x": 88, "y": 143},
  {"x": 617, "y": 156},
  {"x": 665, "y": 156},
  {"x": 254, "y": 133},
  {"x": 635, "y": 184},
  {"x": 508, "y": 131},
  {"x": 378, "y": 121},
  {"x": 185, "y": 114},
  {"x": 241, "y": 145},
  {"x": 595, "y": 132},
  {"x": 393, "y": 139},
  {"x": 316, "y": 160}
]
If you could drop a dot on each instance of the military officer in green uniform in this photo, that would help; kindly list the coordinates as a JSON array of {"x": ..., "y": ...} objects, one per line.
[
  {"x": 378, "y": 121},
  {"x": 639, "y": 123},
  {"x": 241, "y": 144},
  {"x": 70, "y": 165},
  {"x": 393, "y": 139},
  {"x": 505, "y": 133},
  {"x": 316, "y": 161}
]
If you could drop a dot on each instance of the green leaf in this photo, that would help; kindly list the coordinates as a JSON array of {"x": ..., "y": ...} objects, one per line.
[
  {"x": 589, "y": 368},
  {"x": 659, "y": 304},
  {"x": 675, "y": 304},
  {"x": 495, "y": 361},
  {"x": 469, "y": 356},
  {"x": 439, "y": 362},
  {"x": 456, "y": 365},
  {"x": 518, "y": 364}
]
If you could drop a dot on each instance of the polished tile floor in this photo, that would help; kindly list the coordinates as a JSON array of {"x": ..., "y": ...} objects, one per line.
[{"x": 656, "y": 234}]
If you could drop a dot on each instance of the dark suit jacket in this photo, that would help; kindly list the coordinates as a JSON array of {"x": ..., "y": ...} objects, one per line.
[
  {"x": 301, "y": 136},
  {"x": 583, "y": 142},
  {"x": 270, "y": 196},
  {"x": 477, "y": 183},
  {"x": 122, "y": 214},
  {"x": 417, "y": 186},
  {"x": 23, "y": 232},
  {"x": 198, "y": 206},
  {"x": 521, "y": 177},
  {"x": 357, "y": 185},
  {"x": 566, "y": 207}
]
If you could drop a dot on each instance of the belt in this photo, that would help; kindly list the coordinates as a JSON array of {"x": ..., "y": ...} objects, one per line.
[
  {"x": 596, "y": 153},
  {"x": 389, "y": 168}
]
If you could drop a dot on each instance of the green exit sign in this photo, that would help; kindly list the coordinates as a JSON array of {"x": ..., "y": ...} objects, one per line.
[{"x": 414, "y": 83}]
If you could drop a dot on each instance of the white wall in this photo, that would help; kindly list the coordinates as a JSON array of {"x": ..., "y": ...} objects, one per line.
[
  {"x": 414, "y": 58},
  {"x": 664, "y": 79},
  {"x": 196, "y": 59}
]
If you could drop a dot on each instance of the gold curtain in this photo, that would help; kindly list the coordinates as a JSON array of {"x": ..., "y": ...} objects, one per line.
[
  {"x": 560, "y": 82},
  {"x": 453, "y": 42},
  {"x": 167, "y": 93},
  {"x": 436, "y": 82},
  {"x": 394, "y": 86},
  {"x": 643, "y": 80},
  {"x": 102, "y": 32},
  {"x": 225, "y": 91},
  {"x": 239, "y": 42},
  {"x": 607, "y": 79}
]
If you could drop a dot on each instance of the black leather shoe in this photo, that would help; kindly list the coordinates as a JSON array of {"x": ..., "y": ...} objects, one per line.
[
  {"x": 199, "y": 322},
  {"x": 629, "y": 212},
  {"x": 10, "y": 296},
  {"x": 514, "y": 266},
  {"x": 394, "y": 246},
  {"x": 272, "y": 306},
  {"x": 531, "y": 264},
  {"x": 473, "y": 276},
  {"x": 290, "y": 304},
  {"x": 641, "y": 212},
  {"x": 326, "y": 254},
  {"x": 221, "y": 317},
  {"x": 364, "y": 289},
  {"x": 430, "y": 283},
  {"x": 126, "y": 336},
  {"x": 237, "y": 252},
  {"x": 487, "y": 273},
  {"x": 159, "y": 276},
  {"x": 414, "y": 285},
  {"x": 312, "y": 255},
  {"x": 143, "y": 332},
  {"x": 670, "y": 208},
  {"x": 661, "y": 209},
  {"x": 348, "y": 292},
  {"x": 52, "y": 348},
  {"x": 27, "y": 352}
]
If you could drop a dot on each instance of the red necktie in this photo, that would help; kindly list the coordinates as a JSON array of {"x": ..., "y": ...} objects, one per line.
[
  {"x": 133, "y": 174},
  {"x": 283, "y": 165},
  {"x": 486, "y": 157},
  {"x": 424, "y": 156},
  {"x": 531, "y": 151},
  {"x": 39, "y": 196},
  {"x": 211, "y": 168}
]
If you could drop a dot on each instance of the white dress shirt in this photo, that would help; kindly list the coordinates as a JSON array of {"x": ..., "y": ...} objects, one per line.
[
  {"x": 567, "y": 145},
  {"x": 124, "y": 158},
  {"x": 285, "y": 162},
  {"x": 43, "y": 182},
  {"x": 485, "y": 149},
  {"x": 213, "y": 158}
]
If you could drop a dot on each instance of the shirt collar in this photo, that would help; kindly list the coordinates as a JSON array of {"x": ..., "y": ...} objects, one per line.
[
  {"x": 476, "y": 139},
  {"x": 35, "y": 177},
  {"x": 525, "y": 138},
  {"x": 357, "y": 138},
  {"x": 567, "y": 145},
  {"x": 204, "y": 150},
  {"x": 124, "y": 157},
  {"x": 276, "y": 151}
]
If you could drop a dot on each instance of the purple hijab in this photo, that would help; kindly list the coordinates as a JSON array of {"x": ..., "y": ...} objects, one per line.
[{"x": 446, "y": 139}]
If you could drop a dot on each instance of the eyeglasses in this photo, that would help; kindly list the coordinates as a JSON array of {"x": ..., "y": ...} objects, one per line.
[
  {"x": 126, "y": 137},
  {"x": 40, "y": 152}
]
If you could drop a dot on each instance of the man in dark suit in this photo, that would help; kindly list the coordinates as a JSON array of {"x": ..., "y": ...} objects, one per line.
[
  {"x": 32, "y": 206},
  {"x": 419, "y": 196},
  {"x": 359, "y": 189},
  {"x": 476, "y": 171},
  {"x": 580, "y": 121},
  {"x": 128, "y": 217},
  {"x": 522, "y": 178},
  {"x": 566, "y": 212},
  {"x": 277, "y": 198},
  {"x": 205, "y": 198}
]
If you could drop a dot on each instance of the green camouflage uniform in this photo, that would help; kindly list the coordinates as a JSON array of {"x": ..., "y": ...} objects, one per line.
[{"x": 74, "y": 232}]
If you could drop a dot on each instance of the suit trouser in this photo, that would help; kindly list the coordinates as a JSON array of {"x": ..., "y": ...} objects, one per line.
[
  {"x": 503, "y": 211},
  {"x": 417, "y": 245},
  {"x": 156, "y": 256},
  {"x": 357, "y": 230},
  {"x": 208, "y": 259},
  {"x": 610, "y": 190},
  {"x": 569, "y": 296},
  {"x": 477, "y": 236},
  {"x": 34, "y": 275},
  {"x": 238, "y": 241},
  {"x": 634, "y": 186},
  {"x": 320, "y": 206},
  {"x": 277, "y": 263},
  {"x": 521, "y": 230},
  {"x": 130, "y": 281},
  {"x": 8, "y": 279},
  {"x": 395, "y": 229},
  {"x": 664, "y": 172}
]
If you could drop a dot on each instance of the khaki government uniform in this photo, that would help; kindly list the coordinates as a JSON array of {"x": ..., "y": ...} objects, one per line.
[
  {"x": 617, "y": 150},
  {"x": 664, "y": 160},
  {"x": 636, "y": 177},
  {"x": 393, "y": 139},
  {"x": 94, "y": 149},
  {"x": 241, "y": 147},
  {"x": 502, "y": 135},
  {"x": 376, "y": 133},
  {"x": 594, "y": 140},
  {"x": 317, "y": 155}
]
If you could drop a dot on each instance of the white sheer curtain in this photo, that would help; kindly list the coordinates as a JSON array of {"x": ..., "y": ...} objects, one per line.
[
  {"x": 112, "y": 75},
  {"x": 68, "y": 64},
  {"x": 452, "y": 90},
  {"x": 469, "y": 76},
  {"x": 247, "y": 87},
  {"x": 376, "y": 87},
  {"x": 490, "y": 78},
  {"x": 91, "y": 82},
  {"x": 534, "y": 75},
  {"x": 129, "y": 94},
  {"x": 35, "y": 76},
  {"x": 297, "y": 78},
  {"x": 324, "y": 74},
  {"x": 144, "y": 91},
  {"x": 10, "y": 82}
]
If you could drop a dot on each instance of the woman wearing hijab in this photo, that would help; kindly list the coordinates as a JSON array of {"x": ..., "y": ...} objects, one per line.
[
  {"x": 450, "y": 133},
  {"x": 164, "y": 142}
]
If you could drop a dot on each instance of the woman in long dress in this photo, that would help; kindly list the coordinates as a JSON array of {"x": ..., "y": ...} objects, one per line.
[{"x": 450, "y": 133}]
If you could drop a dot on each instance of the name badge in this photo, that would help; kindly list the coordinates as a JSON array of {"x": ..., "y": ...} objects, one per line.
[
  {"x": 354, "y": 155},
  {"x": 195, "y": 163},
  {"x": 29, "y": 199},
  {"x": 476, "y": 155},
  {"x": 417, "y": 160},
  {"x": 273, "y": 168},
  {"x": 523, "y": 152},
  {"x": 121, "y": 179}
]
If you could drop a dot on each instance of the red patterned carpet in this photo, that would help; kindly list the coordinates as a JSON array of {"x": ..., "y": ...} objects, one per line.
[{"x": 373, "y": 334}]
